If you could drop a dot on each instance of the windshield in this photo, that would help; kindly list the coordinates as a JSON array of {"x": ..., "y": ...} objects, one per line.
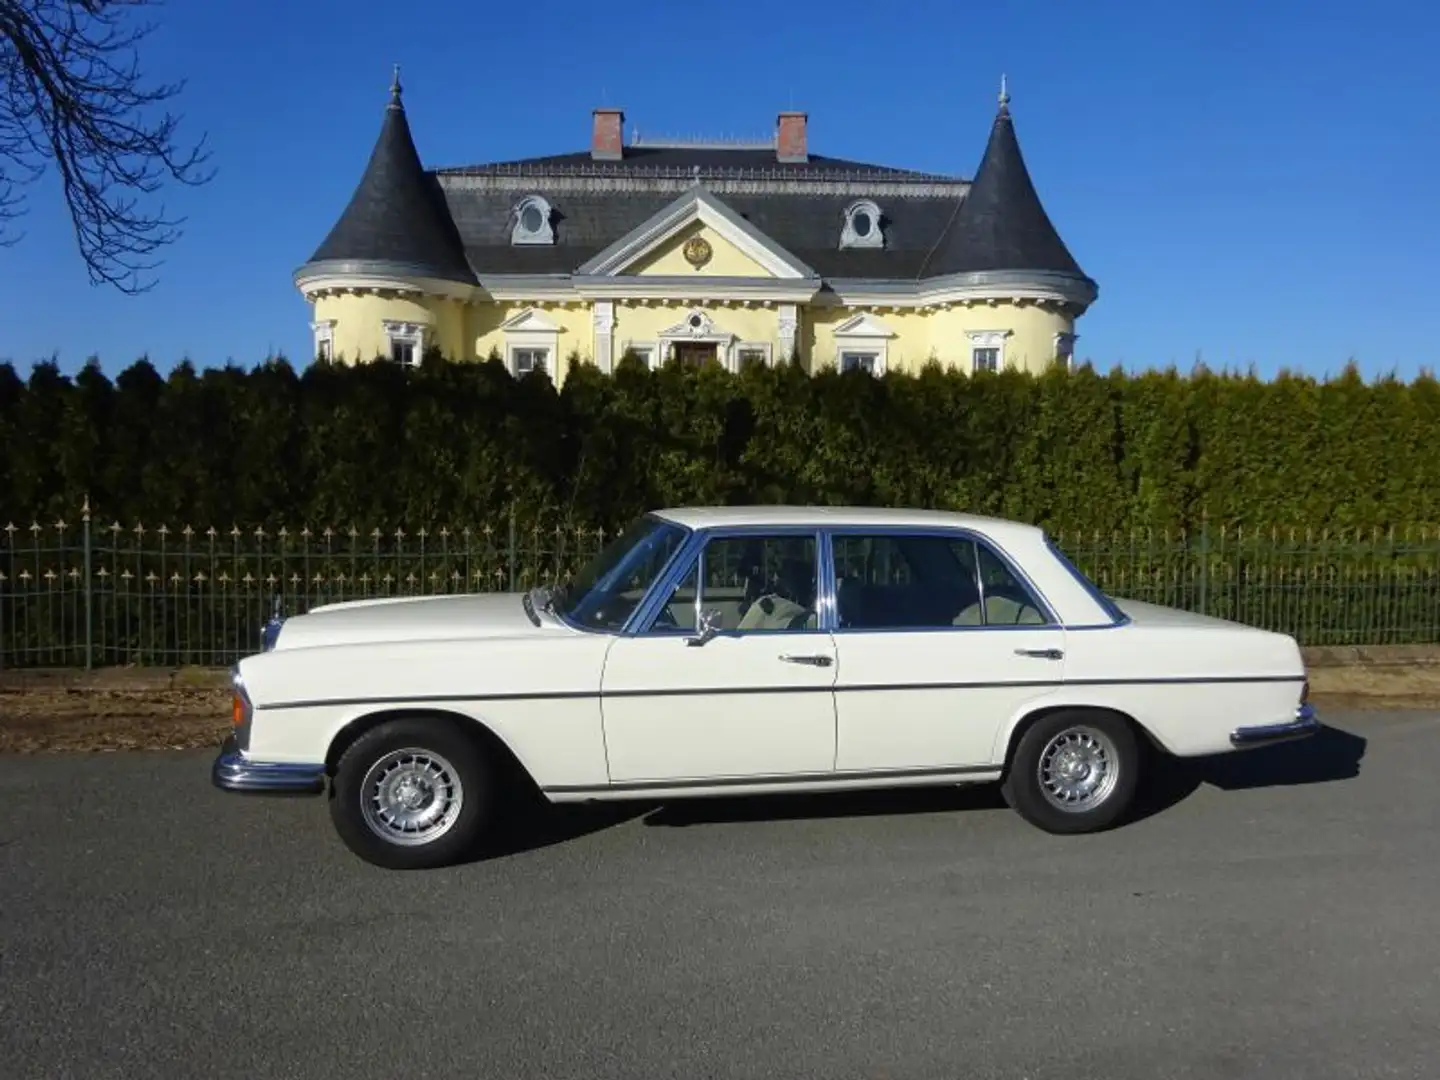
[{"x": 603, "y": 594}]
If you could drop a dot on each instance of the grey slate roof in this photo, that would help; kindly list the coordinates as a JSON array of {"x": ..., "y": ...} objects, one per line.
[
  {"x": 807, "y": 225},
  {"x": 1001, "y": 224},
  {"x": 455, "y": 223},
  {"x": 397, "y": 214}
]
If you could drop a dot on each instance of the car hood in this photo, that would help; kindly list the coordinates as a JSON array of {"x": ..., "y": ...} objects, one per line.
[{"x": 416, "y": 618}]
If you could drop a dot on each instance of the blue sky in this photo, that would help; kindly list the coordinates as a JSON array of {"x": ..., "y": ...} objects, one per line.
[{"x": 1250, "y": 182}]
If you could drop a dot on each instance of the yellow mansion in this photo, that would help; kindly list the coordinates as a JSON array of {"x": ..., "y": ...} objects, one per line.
[{"x": 702, "y": 252}]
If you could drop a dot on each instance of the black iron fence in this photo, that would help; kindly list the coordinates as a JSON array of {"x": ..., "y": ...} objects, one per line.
[{"x": 93, "y": 592}]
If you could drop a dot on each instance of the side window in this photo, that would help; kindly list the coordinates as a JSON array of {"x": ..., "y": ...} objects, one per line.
[
  {"x": 896, "y": 581},
  {"x": 757, "y": 582},
  {"x": 1008, "y": 602},
  {"x": 891, "y": 581}
]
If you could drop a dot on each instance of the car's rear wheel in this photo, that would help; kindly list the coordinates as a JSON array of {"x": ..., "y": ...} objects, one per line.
[
  {"x": 411, "y": 794},
  {"x": 1074, "y": 772}
]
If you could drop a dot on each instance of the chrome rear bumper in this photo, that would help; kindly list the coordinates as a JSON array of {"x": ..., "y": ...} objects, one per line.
[
  {"x": 1304, "y": 724},
  {"x": 233, "y": 771}
]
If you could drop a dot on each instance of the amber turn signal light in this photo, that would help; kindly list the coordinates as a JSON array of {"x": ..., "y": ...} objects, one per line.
[{"x": 237, "y": 710}]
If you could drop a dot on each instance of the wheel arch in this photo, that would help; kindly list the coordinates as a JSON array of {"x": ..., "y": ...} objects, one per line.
[
  {"x": 1035, "y": 714},
  {"x": 474, "y": 729}
]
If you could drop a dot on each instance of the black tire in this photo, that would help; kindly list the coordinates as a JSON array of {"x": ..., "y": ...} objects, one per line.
[
  {"x": 1026, "y": 794},
  {"x": 456, "y": 756}
]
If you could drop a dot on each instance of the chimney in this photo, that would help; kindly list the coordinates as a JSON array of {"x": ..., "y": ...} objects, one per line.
[
  {"x": 790, "y": 142},
  {"x": 607, "y": 135}
]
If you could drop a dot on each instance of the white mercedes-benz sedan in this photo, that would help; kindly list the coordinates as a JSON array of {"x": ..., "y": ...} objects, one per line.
[{"x": 752, "y": 650}]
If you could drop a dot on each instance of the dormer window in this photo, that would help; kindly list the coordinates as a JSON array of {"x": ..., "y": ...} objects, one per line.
[
  {"x": 861, "y": 226},
  {"x": 532, "y": 222}
]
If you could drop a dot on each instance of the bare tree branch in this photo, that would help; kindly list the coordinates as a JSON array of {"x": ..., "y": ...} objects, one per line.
[{"x": 72, "y": 96}]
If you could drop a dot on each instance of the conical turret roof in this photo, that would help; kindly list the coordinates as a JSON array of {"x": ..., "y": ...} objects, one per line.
[
  {"x": 1001, "y": 224},
  {"x": 397, "y": 216}
]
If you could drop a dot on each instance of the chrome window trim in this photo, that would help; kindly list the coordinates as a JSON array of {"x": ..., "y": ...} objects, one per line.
[
  {"x": 689, "y": 553},
  {"x": 1053, "y": 621}
]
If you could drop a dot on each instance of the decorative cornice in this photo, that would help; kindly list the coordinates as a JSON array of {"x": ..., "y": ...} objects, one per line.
[
  {"x": 742, "y": 183},
  {"x": 336, "y": 275}
]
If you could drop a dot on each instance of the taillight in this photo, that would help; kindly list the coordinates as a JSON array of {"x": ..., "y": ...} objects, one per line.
[{"x": 237, "y": 710}]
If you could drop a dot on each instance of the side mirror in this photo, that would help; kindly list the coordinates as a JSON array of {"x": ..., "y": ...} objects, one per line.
[{"x": 709, "y": 626}]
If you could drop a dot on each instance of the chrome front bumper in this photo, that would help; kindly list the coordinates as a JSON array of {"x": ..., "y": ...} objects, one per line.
[
  {"x": 233, "y": 771},
  {"x": 1304, "y": 724}
]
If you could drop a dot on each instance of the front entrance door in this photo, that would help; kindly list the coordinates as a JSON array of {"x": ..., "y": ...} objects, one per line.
[{"x": 696, "y": 353}]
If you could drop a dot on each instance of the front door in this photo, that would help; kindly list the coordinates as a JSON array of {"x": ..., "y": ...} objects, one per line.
[
  {"x": 696, "y": 353},
  {"x": 939, "y": 644},
  {"x": 754, "y": 700}
]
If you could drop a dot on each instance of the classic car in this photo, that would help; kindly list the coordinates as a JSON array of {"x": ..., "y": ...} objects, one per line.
[{"x": 746, "y": 651}]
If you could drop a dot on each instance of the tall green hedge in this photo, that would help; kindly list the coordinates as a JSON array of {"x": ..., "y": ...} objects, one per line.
[{"x": 377, "y": 444}]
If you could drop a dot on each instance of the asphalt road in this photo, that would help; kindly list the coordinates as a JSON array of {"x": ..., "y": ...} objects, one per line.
[{"x": 1276, "y": 915}]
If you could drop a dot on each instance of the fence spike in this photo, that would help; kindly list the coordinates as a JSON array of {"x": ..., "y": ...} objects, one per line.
[
  {"x": 73, "y": 574},
  {"x": 212, "y": 532},
  {"x": 283, "y": 532},
  {"x": 151, "y": 577},
  {"x": 85, "y": 509},
  {"x": 421, "y": 533},
  {"x": 305, "y": 533},
  {"x": 34, "y": 527},
  {"x": 102, "y": 573},
  {"x": 399, "y": 535},
  {"x": 200, "y": 577},
  {"x": 187, "y": 532},
  {"x": 235, "y": 531},
  {"x": 115, "y": 528},
  {"x": 247, "y": 579},
  {"x": 24, "y": 575},
  {"x": 375, "y": 534},
  {"x": 139, "y": 530},
  {"x": 260, "y": 533},
  {"x": 175, "y": 578},
  {"x": 60, "y": 526},
  {"x": 50, "y": 575},
  {"x": 295, "y": 579},
  {"x": 328, "y": 533},
  {"x": 444, "y": 532},
  {"x": 10, "y": 528}
]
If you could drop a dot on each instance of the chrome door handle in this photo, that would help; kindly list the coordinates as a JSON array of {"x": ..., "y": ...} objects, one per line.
[
  {"x": 814, "y": 661},
  {"x": 1041, "y": 654}
]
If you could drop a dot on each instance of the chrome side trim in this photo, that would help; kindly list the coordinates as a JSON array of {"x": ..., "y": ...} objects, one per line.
[
  {"x": 233, "y": 771},
  {"x": 1305, "y": 724}
]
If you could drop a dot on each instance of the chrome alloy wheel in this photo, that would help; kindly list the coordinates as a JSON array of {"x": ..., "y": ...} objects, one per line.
[
  {"x": 411, "y": 797},
  {"x": 1078, "y": 769}
]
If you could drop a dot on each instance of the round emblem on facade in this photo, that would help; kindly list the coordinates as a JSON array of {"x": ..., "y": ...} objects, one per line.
[{"x": 697, "y": 251}]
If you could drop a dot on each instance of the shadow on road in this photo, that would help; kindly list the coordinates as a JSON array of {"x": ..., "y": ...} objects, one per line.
[
  {"x": 783, "y": 807},
  {"x": 531, "y": 823},
  {"x": 1330, "y": 754}
]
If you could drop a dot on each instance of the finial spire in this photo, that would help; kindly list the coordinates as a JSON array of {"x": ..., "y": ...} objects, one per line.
[
  {"x": 395, "y": 87},
  {"x": 1004, "y": 92}
]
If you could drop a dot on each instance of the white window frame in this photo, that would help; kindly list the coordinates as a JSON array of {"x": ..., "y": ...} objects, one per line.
[
  {"x": 864, "y": 334},
  {"x": 876, "y": 358},
  {"x": 532, "y": 329},
  {"x": 987, "y": 339},
  {"x": 405, "y": 333},
  {"x": 324, "y": 332},
  {"x": 547, "y": 360},
  {"x": 764, "y": 348},
  {"x": 650, "y": 350},
  {"x": 1067, "y": 340},
  {"x": 545, "y": 234},
  {"x": 849, "y": 238}
]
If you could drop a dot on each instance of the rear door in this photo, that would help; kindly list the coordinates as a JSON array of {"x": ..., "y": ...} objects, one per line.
[{"x": 939, "y": 641}]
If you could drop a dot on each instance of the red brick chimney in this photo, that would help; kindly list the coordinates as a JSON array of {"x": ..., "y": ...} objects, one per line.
[
  {"x": 607, "y": 137},
  {"x": 790, "y": 141}
]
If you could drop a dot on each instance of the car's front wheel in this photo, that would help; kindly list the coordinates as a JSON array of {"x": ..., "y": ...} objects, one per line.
[
  {"x": 411, "y": 794},
  {"x": 1074, "y": 772}
]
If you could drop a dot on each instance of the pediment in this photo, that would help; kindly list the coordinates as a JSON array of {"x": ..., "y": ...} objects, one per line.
[
  {"x": 863, "y": 325},
  {"x": 657, "y": 245},
  {"x": 699, "y": 325},
  {"x": 532, "y": 321}
]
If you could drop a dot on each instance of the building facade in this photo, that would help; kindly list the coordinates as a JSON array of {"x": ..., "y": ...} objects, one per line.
[{"x": 705, "y": 253}]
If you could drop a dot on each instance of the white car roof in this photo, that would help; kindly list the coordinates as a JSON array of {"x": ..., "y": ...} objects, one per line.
[{"x": 701, "y": 517}]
